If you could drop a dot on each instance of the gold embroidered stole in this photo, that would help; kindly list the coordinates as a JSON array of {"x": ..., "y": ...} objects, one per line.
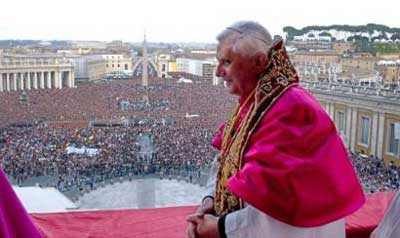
[{"x": 278, "y": 76}]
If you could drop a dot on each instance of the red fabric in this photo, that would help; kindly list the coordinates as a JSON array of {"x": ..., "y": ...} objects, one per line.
[
  {"x": 144, "y": 223},
  {"x": 366, "y": 219},
  {"x": 217, "y": 140},
  {"x": 296, "y": 168},
  {"x": 170, "y": 222},
  {"x": 14, "y": 220}
]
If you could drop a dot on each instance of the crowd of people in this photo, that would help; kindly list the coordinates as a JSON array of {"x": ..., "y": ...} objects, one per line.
[
  {"x": 40, "y": 150},
  {"x": 35, "y": 135},
  {"x": 33, "y": 145},
  {"x": 144, "y": 105},
  {"x": 102, "y": 101},
  {"x": 374, "y": 174}
]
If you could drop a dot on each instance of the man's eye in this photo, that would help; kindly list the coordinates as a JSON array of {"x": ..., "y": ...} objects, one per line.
[{"x": 227, "y": 62}]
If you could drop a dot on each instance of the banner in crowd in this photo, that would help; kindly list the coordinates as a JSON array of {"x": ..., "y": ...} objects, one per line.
[{"x": 82, "y": 151}]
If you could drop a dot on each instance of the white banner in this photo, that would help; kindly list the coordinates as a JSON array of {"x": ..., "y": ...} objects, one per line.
[{"x": 82, "y": 151}]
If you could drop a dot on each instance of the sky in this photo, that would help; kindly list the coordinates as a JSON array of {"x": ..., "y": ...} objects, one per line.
[{"x": 178, "y": 20}]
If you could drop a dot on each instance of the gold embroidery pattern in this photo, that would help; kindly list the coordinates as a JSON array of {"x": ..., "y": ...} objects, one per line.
[{"x": 278, "y": 76}]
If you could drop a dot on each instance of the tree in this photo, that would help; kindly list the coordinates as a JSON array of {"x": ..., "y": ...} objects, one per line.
[
  {"x": 325, "y": 34},
  {"x": 369, "y": 28},
  {"x": 395, "y": 37}
]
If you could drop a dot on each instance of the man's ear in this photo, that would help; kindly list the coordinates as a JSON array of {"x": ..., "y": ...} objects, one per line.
[{"x": 261, "y": 60}]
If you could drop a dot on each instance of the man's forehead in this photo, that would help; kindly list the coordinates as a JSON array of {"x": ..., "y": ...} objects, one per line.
[{"x": 224, "y": 50}]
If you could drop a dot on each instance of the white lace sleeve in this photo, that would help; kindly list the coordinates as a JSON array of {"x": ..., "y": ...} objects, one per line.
[
  {"x": 212, "y": 177},
  {"x": 389, "y": 227},
  {"x": 251, "y": 222}
]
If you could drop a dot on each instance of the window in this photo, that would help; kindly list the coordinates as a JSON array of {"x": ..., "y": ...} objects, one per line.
[
  {"x": 364, "y": 130},
  {"x": 126, "y": 66},
  {"x": 394, "y": 138},
  {"x": 341, "y": 122}
]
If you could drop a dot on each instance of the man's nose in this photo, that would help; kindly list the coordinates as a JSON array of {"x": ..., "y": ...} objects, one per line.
[{"x": 219, "y": 72}]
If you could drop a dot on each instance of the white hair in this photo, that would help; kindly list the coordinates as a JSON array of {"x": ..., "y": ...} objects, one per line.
[{"x": 248, "y": 37}]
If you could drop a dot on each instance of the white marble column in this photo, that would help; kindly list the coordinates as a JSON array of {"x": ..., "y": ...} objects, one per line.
[
  {"x": 7, "y": 82},
  {"x": 35, "y": 80},
  {"x": 374, "y": 133},
  {"x": 11, "y": 77},
  {"x": 58, "y": 80},
  {"x": 49, "y": 79},
  {"x": 72, "y": 77},
  {"x": 1, "y": 82},
  {"x": 15, "y": 81},
  {"x": 54, "y": 83},
  {"x": 331, "y": 110},
  {"x": 380, "y": 151},
  {"x": 69, "y": 79},
  {"x": 28, "y": 83},
  {"x": 55, "y": 80},
  {"x": 354, "y": 124},
  {"x": 21, "y": 81},
  {"x": 349, "y": 117},
  {"x": 61, "y": 79},
  {"x": 42, "y": 80}
]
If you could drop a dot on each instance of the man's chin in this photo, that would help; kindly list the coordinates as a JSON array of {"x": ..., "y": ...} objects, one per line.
[{"x": 232, "y": 91}]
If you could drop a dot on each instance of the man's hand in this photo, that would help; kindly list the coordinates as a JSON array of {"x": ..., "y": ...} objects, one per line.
[
  {"x": 206, "y": 225},
  {"x": 206, "y": 207},
  {"x": 191, "y": 230}
]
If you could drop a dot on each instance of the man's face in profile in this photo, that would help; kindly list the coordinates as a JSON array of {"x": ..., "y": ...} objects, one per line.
[{"x": 235, "y": 69}]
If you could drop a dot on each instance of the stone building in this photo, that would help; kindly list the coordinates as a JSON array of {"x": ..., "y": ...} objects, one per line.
[
  {"x": 368, "y": 119},
  {"x": 18, "y": 73}
]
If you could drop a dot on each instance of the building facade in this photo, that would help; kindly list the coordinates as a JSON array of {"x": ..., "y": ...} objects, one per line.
[
  {"x": 317, "y": 65},
  {"x": 342, "y": 47},
  {"x": 388, "y": 56},
  {"x": 368, "y": 119},
  {"x": 18, "y": 73},
  {"x": 198, "y": 67},
  {"x": 367, "y": 64},
  {"x": 389, "y": 70},
  {"x": 316, "y": 57},
  {"x": 165, "y": 63},
  {"x": 89, "y": 68},
  {"x": 117, "y": 63}
]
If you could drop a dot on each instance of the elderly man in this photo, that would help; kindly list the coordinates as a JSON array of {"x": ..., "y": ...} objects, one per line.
[{"x": 282, "y": 170}]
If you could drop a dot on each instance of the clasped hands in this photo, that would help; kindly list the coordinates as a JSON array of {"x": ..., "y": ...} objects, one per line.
[{"x": 202, "y": 224}]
